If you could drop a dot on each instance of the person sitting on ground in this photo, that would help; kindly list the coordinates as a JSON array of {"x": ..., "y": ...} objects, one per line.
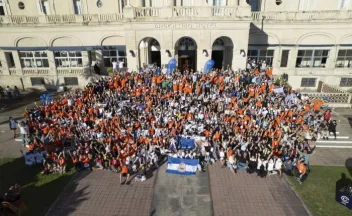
[{"x": 13, "y": 194}]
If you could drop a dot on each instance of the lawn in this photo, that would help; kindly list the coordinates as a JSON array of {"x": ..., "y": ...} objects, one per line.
[
  {"x": 318, "y": 191},
  {"x": 38, "y": 191}
]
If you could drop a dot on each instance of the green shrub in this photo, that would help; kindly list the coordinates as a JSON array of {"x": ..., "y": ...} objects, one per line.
[{"x": 110, "y": 70}]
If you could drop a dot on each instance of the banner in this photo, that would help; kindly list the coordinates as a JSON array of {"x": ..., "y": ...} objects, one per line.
[
  {"x": 171, "y": 65},
  {"x": 279, "y": 90},
  {"x": 344, "y": 199},
  {"x": 187, "y": 143},
  {"x": 208, "y": 66},
  {"x": 181, "y": 166}
]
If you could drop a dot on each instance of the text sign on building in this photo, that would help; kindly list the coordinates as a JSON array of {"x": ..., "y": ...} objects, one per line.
[{"x": 185, "y": 26}]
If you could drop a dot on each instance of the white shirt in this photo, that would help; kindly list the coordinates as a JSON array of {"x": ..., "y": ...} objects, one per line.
[
  {"x": 121, "y": 64},
  {"x": 114, "y": 65}
]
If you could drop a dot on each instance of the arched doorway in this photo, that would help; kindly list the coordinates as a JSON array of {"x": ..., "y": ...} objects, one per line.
[
  {"x": 222, "y": 52},
  {"x": 186, "y": 51},
  {"x": 149, "y": 52}
]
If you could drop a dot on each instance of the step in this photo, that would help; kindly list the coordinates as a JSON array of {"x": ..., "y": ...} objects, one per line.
[
  {"x": 334, "y": 141},
  {"x": 337, "y": 147}
]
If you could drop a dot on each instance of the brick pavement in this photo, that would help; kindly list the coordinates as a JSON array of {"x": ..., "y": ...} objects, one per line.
[
  {"x": 100, "y": 193},
  {"x": 243, "y": 194},
  {"x": 181, "y": 195}
]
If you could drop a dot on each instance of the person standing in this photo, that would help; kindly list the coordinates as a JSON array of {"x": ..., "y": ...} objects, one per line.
[
  {"x": 9, "y": 92},
  {"x": 114, "y": 66},
  {"x": 332, "y": 127},
  {"x": 23, "y": 131},
  {"x": 121, "y": 63},
  {"x": 12, "y": 125}
]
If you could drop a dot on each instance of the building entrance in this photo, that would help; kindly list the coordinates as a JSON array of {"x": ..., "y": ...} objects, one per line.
[
  {"x": 149, "y": 53},
  {"x": 186, "y": 51},
  {"x": 222, "y": 52}
]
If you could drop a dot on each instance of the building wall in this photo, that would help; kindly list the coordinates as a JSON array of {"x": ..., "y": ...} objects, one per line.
[{"x": 304, "y": 5}]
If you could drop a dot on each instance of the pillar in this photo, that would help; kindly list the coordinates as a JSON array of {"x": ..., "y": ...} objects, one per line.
[
  {"x": 332, "y": 60},
  {"x": 178, "y": 3},
  {"x": 238, "y": 61},
  {"x": 166, "y": 58},
  {"x": 4, "y": 66},
  {"x": 231, "y": 2},
  {"x": 201, "y": 59},
  {"x": 169, "y": 3},
  {"x": 291, "y": 65},
  {"x": 100, "y": 60},
  {"x": 132, "y": 61},
  {"x": 16, "y": 59},
  {"x": 51, "y": 60}
]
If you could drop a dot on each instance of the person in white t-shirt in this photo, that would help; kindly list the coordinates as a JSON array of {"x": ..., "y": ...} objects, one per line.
[
  {"x": 121, "y": 66},
  {"x": 114, "y": 66}
]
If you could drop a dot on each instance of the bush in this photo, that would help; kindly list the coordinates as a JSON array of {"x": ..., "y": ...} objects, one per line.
[{"x": 110, "y": 70}]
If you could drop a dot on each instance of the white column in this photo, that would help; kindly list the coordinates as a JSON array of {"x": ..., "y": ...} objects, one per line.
[
  {"x": 201, "y": 59},
  {"x": 100, "y": 59},
  {"x": 147, "y": 3},
  {"x": 132, "y": 61},
  {"x": 169, "y": 3},
  {"x": 238, "y": 61},
  {"x": 51, "y": 60},
  {"x": 332, "y": 58},
  {"x": 178, "y": 3},
  {"x": 166, "y": 58},
  {"x": 4, "y": 68},
  {"x": 16, "y": 59}
]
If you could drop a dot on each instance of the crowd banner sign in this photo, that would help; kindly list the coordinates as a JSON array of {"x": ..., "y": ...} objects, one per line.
[
  {"x": 171, "y": 65},
  {"x": 344, "y": 199},
  {"x": 187, "y": 143},
  {"x": 182, "y": 166},
  {"x": 279, "y": 90},
  {"x": 208, "y": 66}
]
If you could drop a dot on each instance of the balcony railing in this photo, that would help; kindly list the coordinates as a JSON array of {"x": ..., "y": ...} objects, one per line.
[
  {"x": 61, "y": 19},
  {"x": 224, "y": 11},
  {"x": 147, "y": 12},
  {"x": 302, "y": 15},
  {"x": 187, "y": 11}
]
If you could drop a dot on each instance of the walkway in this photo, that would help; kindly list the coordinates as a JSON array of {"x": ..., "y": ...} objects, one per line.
[
  {"x": 100, "y": 193},
  {"x": 243, "y": 194},
  {"x": 177, "y": 195}
]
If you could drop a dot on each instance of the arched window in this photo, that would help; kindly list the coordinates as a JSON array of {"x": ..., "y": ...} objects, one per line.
[
  {"x": 186, "y": 41},
  {"x": 219, "y": 42}
]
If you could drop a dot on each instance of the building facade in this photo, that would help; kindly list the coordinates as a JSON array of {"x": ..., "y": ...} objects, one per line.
[{"x": 46, "y": 43}]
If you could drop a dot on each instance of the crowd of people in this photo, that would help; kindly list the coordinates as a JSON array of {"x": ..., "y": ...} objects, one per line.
[{"x": 129, "y": 122}]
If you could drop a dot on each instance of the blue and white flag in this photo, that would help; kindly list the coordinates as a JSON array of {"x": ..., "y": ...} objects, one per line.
[
  {"x": 182, "y": 166},
  {"x": 208, "y": 66},
  {"x": 187, "y": 143}
]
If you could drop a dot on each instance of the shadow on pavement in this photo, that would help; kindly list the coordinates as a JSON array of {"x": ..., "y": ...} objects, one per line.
[
  {"x": 348, "y": 165},
  {"x": 31, "y": 97},
  {"x": 38, "y": 191}
]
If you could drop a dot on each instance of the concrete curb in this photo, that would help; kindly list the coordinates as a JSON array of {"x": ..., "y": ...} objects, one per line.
[
  {"x": 298, "y": 196},
  {"x": 211, "y": 195}
]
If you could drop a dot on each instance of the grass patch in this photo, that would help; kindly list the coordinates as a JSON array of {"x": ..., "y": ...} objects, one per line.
[
  {"x": 38, "y": 191},
  {"x": 318, "y": 191}
]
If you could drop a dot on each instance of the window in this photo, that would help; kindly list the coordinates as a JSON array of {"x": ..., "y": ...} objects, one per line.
[
  {"x": 37, "y": 81},
  {"x": 77, "y": 6},
  {"x": 262, "y": 55},
  {"x": 9, "y": 59},
  {"x": 344, "y": 4},
  {"x": 2, "y": 8},
  {"x": 44, "y": 7},
  {"x": 344, "y": 59},
  {"x": 71, "y": 81},
  {"x": 312, "y": 58},
  {"x": 255, "y": 4},
  {"x": 68, "y": 59},
  {"x": 110, "y": 55},
  {"x": 284, "y": 58},
  {"x": 34, "y": 59},
  {"x": 21, "y": 5},
  {"x": 346, "y": 82},
  {"x": 219, "y": 3},
  {"x": 308, "y": 82}
]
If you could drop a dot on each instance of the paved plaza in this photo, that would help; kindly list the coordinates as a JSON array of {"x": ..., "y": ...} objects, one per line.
[{"x": 215, "y": 192}]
